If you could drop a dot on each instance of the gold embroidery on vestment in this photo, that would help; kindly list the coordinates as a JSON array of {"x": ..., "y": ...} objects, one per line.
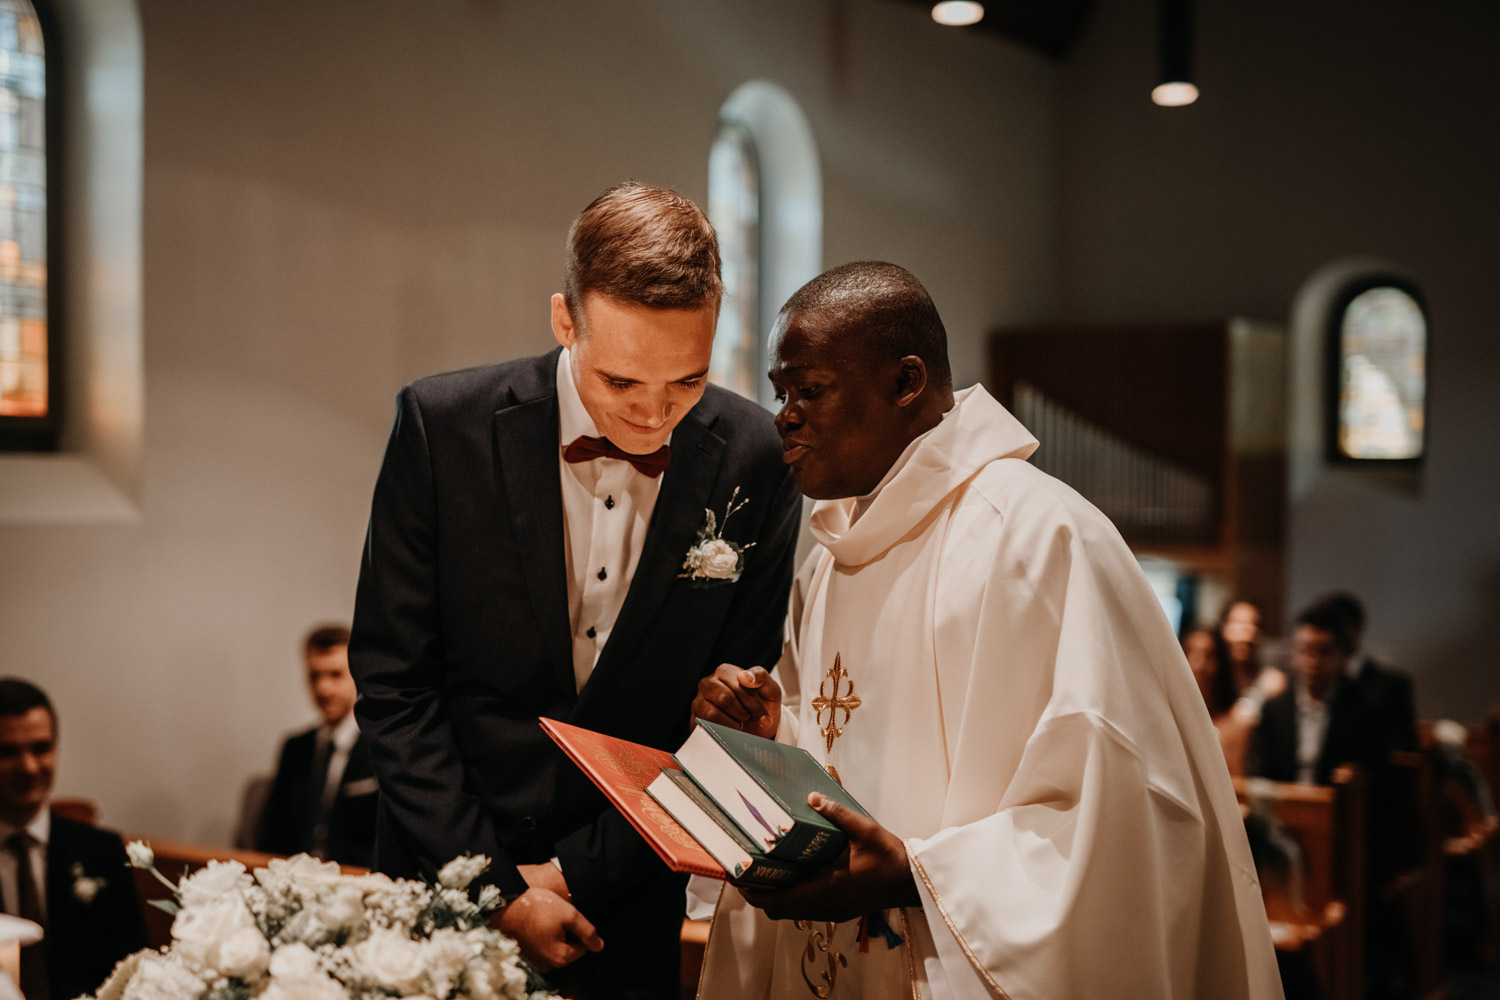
[
  {"x": 820, "y": 943},
  {"x": 833, "y": 702}
]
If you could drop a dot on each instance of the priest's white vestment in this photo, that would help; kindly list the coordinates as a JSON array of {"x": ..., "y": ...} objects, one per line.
[{"x": 1027, "y": 724}]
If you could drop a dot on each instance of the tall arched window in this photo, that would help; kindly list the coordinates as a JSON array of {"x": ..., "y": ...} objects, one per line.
[
  {"x": 734, "y": 207},
  {"x": 765, "y": 198},
  {"x": 28, "y": 376},
  {"x": 1377, "y": 373}
]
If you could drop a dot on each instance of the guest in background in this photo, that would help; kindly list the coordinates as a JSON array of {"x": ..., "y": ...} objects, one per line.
[
  {"x": 1385, "y": 694},
  {"x": 324, "y": 796},
  {"x": 1234, "y": 714},
  {"x": 70, "y": 877}
]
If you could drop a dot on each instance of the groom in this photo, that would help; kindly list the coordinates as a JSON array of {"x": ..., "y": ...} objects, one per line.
[{"x": 525, "y": 558}]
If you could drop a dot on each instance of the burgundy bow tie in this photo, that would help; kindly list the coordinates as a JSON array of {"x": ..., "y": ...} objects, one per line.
[{"x": 586, "y": 449}]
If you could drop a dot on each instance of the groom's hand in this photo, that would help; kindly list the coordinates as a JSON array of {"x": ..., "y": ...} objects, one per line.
[
  {"x": 872, "y": 874},
  {"x": 549, "y": 929},
  {"x": 749, "y": 700}
]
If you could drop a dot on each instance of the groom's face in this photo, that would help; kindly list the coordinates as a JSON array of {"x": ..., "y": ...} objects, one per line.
[{"x": 639, "y": 370}]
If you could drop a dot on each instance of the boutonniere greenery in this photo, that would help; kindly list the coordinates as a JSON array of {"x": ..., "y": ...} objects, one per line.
[
  {"x": 85, "y": 887},
  {"x": 714, "y": 559}
]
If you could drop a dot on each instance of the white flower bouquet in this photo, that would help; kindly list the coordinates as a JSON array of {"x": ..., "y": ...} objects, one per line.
[{"x": 299, "y": 929}]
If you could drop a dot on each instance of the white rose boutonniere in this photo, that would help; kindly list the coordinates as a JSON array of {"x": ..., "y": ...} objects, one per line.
[
  {"x": 715, "y": 559},
  {"x": 85, "y": 887}
]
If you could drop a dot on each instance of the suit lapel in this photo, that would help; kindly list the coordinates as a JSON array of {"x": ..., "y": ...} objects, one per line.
[
  {"x": 526, "y": 443},
  {"x": 685, "y": 492}
]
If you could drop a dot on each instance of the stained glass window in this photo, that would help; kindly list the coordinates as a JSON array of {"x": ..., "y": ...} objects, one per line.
[
  {"x": 1381, "y": 376},
  {"x": 24, "y": 348},
  {"x": 734, "y": 206}
]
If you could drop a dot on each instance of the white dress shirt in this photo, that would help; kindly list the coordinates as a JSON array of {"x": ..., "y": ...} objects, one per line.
[
  {"x": 1312, "y": 727},
  {"x": 40, "y": 829},
  {"x": 607, "y": 508}
]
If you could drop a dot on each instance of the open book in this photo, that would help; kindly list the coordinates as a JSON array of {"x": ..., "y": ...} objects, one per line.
[{"x": 727, "y": 805}]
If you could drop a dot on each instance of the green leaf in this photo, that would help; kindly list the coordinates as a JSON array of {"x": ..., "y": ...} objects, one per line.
[{"x": 168, "y": 906}]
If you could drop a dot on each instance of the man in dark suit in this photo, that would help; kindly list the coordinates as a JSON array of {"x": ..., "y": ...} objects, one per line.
[
  {"x": 1384, "y": 693},
  {"x": 92, "y": 915},
  {"x": 323, "y": 799},
  {"x": 532, "y": 553}
]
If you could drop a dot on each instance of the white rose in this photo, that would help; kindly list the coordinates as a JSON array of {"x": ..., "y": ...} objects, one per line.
[
  {"x": 392, "y": 960},
  {"x": 303, "y": 869},
  {"x": 458, "y": 873},
  {"x": 244, "y": 954},
  {"x": 717, "y": 559},
  {"x": 317, "y": 988},
  {"x": 140, "y": 854},
  {"x": 295, "y": 961},
  {"x": 218, "y": 879},
  {"x": 114, "y": 986},
  {"x": 200, "y": 930}
]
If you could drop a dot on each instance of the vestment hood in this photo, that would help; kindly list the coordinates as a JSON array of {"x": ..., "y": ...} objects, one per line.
[{"x": 976, "y": 432}]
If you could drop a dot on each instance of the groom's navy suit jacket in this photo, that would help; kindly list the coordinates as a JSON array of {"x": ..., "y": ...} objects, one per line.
[{"x": 461, "y": 635}]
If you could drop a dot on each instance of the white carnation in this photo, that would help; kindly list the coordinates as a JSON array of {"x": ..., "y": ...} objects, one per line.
[
  {"x": 1448, "y": 733},
  {"x": 210, "y": 883},
  {"x": 446, "y": 953},
  {"x": 114, "y": 986},
  {"x": 140, "y": 854},
  {"x": 458, "y": 873},
  {"x": 244, "y": 954},
  {"x": 300, "y": 871},
  {"x": 392, "y": 961}
]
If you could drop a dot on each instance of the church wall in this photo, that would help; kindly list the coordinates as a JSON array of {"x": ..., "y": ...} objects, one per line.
[
  {"x": 341, "y": 196},
  {"x": 1324, "y": 131}
]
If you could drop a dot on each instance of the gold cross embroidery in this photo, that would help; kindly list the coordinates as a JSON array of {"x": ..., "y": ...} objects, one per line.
[{"x": 832, "y": 702}]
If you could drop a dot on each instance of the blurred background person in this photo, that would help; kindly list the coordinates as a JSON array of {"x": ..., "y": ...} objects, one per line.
[
  {"x": 70, "y": 877},
  {"x": 323, "y": 799},
  {"x": 1234, "y": 714},
  {"x": 1385, "y": 694}
]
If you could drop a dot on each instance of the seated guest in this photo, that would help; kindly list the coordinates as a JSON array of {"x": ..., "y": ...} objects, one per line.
[
  {"x": 323, "y": 799},
  {"x": 1234, "y": 713},
  {"x": 1384, "y": 693},
  {"x": 70, "y": 877}
]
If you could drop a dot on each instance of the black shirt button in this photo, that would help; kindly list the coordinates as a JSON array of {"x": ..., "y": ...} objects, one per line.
[
  {"x": 609, "y": 503},
  {"x": 529, "y": 823},
  {"x": 591, "y": 632},
  {"x": 602, "y": 574}
]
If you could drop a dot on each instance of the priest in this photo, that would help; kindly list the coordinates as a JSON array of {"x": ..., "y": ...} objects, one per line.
[{"x": 973, "y": 651}]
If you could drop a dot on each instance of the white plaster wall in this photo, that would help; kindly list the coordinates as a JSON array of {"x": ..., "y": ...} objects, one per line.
[{"x": 341, "y": 196}]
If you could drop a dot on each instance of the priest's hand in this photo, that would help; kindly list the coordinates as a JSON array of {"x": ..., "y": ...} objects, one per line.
[
  {"x": 549, "y": 929},
  {"x": 872, "y": 874},
  {"x": 749, "y": 700}
]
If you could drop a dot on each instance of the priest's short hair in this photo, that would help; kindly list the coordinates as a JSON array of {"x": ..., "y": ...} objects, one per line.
[{"x": 886, "y": 306}]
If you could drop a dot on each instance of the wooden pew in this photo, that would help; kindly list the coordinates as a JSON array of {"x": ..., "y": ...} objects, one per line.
[
  {"x": 1414, "y": 890},
  {"x": 1327, "y": 822},
  {"x": 1470, "y": 840}
]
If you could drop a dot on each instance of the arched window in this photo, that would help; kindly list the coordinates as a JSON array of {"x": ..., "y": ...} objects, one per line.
[
  {"x": 765, "y": 198},
  {"x": 1377, "y": 372},
  {"x": 28, "y": 373},
  {"x": 734, "y": 207}
]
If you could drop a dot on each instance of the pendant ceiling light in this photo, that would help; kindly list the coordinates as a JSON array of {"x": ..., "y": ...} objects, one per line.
[
  {"x": 957, "y": 12},
  {"x": 1175, "y": 27}
]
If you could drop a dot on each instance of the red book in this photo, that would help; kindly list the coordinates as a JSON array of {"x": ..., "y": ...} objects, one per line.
[{"x": 622, "y": 770}]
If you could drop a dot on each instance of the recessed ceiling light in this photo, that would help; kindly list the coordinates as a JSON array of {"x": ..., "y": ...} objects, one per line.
[
  {"x": 1175, "y": 94},
  {"x": 957, "y": 12}
]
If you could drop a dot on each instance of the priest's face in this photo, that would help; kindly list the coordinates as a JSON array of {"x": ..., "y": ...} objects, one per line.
[
  {"x": 838, "y": 420},
  {"x": 639, "y": 370}
]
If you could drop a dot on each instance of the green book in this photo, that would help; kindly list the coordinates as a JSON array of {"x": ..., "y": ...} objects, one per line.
[{"x": 762, "y": 787}]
